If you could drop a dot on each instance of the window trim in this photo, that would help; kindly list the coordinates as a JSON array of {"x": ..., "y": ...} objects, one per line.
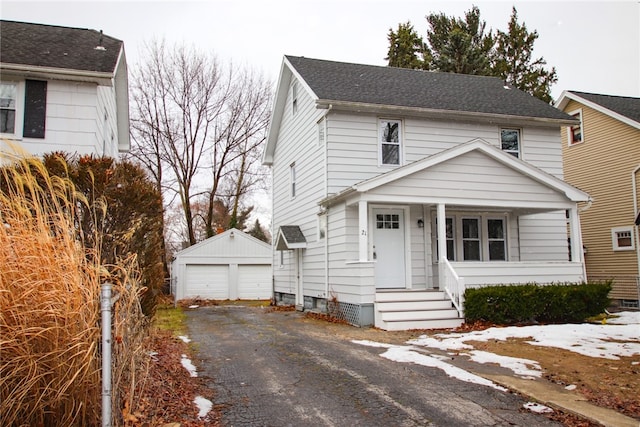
[
  {"x": 15, "y": 106},
  {"x": 294, "y": 98},
  {"x": 570, "y": 141},
  {"x": 458, "y": 241},
  {"x": 615, "y": 239},
  {"x": 381, "y": 143},
  {"x": 517, "y": 154}
]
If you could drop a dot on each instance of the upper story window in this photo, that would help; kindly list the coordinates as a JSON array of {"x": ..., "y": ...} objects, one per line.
[
  {"x": 622, "y": 238},
  {"x": 575, "y": 132},
  {"x": 390, "y": 142},
  {"x": 510, "y": 141},
  {"x": 23, "y": 120},
  {"x": 7, "y": 107},
  {"x": 292, "y": 177},
  {"x": 294, "y": 98}
]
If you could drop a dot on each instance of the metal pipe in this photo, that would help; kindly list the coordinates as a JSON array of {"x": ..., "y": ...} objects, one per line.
[{"x": 105, "y": 308}]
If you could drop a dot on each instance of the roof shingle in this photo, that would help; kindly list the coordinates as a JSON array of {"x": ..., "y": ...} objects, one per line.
[
  {"x": 623, "y": 105},
  {"x": 57, "y": 47},
  {"x": 370, "y": 84}
]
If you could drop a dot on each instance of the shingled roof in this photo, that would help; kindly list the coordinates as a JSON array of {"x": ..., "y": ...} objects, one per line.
[
  {"x": 390, "y": 86},
  {"x": 623, "y": 105},
  {"x": 52, "y": 46}
]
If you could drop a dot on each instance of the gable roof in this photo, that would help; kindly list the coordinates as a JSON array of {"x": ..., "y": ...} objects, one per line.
[
  {"x": 50, "y": 46},
  {"x": 623, "y": 108},
  {"x": 222, "y": 239},
  {"x": 477, "y": 144},
  {"x": 290, "y": 237},
  {"x": 383, "y": 89}
]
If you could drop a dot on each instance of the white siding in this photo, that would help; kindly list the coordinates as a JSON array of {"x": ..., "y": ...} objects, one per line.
[
  {"x": 298, "y": 143},
  {"x": 543, "y": 237}
]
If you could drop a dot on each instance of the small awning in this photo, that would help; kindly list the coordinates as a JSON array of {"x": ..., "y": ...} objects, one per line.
[{"x": 290, "y": 237}]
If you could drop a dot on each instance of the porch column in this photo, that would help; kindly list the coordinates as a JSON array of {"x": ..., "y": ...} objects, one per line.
[
  {"x": 442, "y": 243},
  {"x": 363, "y": 231},
  {"x": 575, "y": 235}
]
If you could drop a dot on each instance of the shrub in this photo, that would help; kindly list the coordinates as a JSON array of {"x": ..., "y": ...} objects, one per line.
[{"x": 536, "y": 303}]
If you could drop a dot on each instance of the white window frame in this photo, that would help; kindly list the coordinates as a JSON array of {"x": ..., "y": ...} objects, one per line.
[
  {"x": 458, "y": 241},
  {"x": 381, "y": 143},
  {"x": 489, "y": 240},
  {"x": 570, "y": 141},
  {"x": 292, "y": 180},
  {"x": 479, "y": 239},
  {"x": 19, "y": 110},
  {"x": 516, "y": 153},
  {"x": 615, "y": 238}
]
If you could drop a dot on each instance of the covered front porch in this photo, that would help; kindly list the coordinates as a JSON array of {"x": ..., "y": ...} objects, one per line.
[{"x": 435, "y": 226}]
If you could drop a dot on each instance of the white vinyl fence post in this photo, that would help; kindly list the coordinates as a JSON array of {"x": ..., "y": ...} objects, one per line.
[{"x": 105, "y": 307}]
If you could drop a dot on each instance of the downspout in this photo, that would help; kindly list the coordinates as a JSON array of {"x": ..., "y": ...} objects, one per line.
[
  {"x": 635, "y": 212},
  {"x": 326, "y": 194}
]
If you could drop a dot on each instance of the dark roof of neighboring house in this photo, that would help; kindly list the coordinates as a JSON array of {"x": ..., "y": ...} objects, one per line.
[
  {"x": 381, "y": 85},
  {"x": 623, "y": 105},
  {"x": 52, "y": 46}
]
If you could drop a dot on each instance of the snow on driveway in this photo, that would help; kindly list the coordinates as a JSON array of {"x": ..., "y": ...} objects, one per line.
[{"x": 618, "y": 337}]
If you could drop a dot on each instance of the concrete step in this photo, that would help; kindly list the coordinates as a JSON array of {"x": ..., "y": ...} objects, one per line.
[
  {"x": 421, "y": 324},
  {"x": 421, "y": 305},
  {"x": 405, "y": 295},
  {"x": 394, "y": 316}
]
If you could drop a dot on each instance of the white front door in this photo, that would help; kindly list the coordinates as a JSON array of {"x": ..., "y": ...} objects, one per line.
[{"x": 388, "y": 248}]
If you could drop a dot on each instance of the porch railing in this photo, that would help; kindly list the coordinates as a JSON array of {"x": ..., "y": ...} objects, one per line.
[{"x": 453, "y": 285}]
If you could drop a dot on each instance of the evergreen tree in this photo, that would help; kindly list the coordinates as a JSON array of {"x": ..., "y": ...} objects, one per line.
[
  {"x": 513, "y": 61},
  {"x": 460, "y": 46},
  {"x": 258, "y": 232},
  {"x": 407, "y": 49}
]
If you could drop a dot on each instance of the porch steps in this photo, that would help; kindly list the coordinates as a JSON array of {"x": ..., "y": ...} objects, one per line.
[{"x": 409, "y": 309}]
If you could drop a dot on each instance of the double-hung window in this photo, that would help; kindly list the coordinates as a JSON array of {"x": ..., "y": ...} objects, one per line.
[
  {"x": 510, "y": 141},
  {"x": 7, "y": 107},
  {"x": 575, "y": 132},
  {"x": 390, "y": 142},
  {"x": 475, "y": 238}
]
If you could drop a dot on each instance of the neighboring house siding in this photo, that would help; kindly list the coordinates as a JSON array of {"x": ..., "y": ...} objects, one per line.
[
  {"x": 298, "y": 143},
  {"x": 107, "y": 135},
  {"x": 602, "y": 166},
  {"x": 353, "y": 145}
]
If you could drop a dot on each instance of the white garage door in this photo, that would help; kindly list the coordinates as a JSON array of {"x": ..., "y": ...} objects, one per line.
[
  {"x": 254, "y": 281},
  {"x": 207, "y": 281}
]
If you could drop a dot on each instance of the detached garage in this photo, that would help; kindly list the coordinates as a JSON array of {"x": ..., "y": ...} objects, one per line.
[{"x": 231, "y": 265}]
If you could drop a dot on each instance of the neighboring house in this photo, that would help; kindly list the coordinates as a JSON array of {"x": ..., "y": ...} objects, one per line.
[
  {"x": 231, "y": 265},
  {"x": 62, "y": 89},
  {"x": 602, "y": 156},
  {"x": 377, "y": 170}
]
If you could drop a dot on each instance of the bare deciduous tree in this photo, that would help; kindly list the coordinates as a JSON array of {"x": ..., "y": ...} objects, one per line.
[{"x": 198, "y": 127}]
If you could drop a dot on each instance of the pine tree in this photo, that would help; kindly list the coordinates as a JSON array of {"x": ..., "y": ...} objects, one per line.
[
  {"x": 407, "y": 49},
  {"x": 258, "y": 232},
  {"x": 460, "y": 46},
  {"x": 513, "y": 61}
]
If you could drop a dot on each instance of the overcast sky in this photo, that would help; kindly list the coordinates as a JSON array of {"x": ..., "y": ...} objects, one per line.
[{"x": 595, "y": 46}]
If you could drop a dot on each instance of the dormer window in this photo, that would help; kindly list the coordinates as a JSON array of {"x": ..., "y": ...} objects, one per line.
[
  {"x": 390, "y": 142},
  {"x": 575, "y": 131}
]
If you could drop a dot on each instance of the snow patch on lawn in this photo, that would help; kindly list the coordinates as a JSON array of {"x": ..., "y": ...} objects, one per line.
[
  {"x": 525, "y": 368},
  {"x": 204, "y": 406},
  {"x": 537, "y": 408},
  {"x": 408, "y": 354},
  {"x": 184, "y": 338},
  {"x": 186, "y": 363}
]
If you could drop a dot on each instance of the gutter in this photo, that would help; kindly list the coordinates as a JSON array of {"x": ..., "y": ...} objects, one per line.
[
  {"x": 101, "y": 78},
  {"x": 438, "y": 113}
]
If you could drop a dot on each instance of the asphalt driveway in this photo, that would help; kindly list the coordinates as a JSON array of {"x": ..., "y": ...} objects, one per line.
[{"x": 282, "y": 369}]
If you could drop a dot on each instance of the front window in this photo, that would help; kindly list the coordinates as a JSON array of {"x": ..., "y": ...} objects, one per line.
[
  {"x": 510, "y": 141},
  {"x": 496, "y": 240},
  {"x": 390, "y": 141},
  {"x": 7, "y": 107},
  {"x": 471, "y": 239},
  {"x": 575, "y": 131}
]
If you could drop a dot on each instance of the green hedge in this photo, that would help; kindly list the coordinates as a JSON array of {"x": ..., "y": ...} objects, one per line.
[{"x": 536, "y": 303}]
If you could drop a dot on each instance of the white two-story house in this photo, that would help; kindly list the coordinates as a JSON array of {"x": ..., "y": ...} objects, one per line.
[
  {"x": 394, "y": 189},
  {"x": 62, "y": 89}
]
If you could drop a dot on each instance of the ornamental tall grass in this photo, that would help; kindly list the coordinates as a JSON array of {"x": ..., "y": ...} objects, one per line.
[{"x": 50, "y": 355}]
